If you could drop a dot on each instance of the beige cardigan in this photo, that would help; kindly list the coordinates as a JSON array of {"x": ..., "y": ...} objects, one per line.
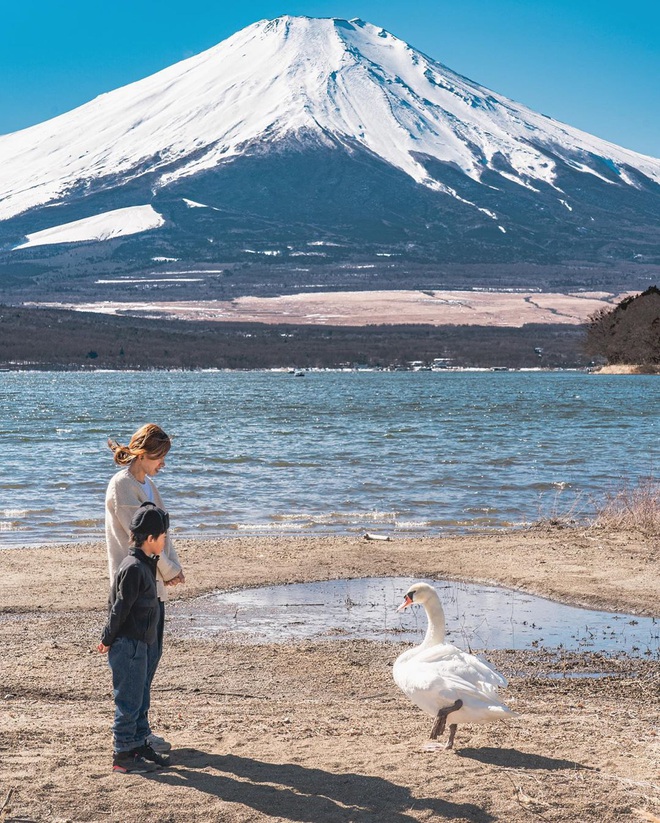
[{"x": 124, "y": 496}]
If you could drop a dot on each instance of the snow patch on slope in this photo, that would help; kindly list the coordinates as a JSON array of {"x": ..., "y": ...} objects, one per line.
[
  {"x": 193, "y": 204},
  {"x": 106, "y": 226}
]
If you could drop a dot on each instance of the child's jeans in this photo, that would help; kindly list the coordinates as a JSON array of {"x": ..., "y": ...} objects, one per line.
[{"x": 132, "y": 663}]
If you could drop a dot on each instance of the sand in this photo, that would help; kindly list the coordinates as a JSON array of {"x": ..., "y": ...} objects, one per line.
[
  {"x": 317, "y": 730},
  {"x": 623, "y": 368}
]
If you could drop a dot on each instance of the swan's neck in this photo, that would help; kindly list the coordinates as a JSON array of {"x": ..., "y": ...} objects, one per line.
[{"x": 435, "y": 632}]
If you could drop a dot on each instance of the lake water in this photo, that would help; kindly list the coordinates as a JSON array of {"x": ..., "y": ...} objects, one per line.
[{"x": 400, "y": 453}]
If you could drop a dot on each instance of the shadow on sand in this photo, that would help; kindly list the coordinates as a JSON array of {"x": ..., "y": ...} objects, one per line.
[
  {"x": 299, "y": 793},
  {"x": 514, "y": 759}
]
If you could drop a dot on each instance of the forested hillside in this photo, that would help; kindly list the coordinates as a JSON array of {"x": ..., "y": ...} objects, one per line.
[{"x": 628, "y": 333}]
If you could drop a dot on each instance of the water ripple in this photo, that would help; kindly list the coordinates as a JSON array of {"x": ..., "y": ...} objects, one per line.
[{"x": 338, "y": 452}]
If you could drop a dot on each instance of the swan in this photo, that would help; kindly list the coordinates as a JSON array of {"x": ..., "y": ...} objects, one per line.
[{"x": 441, "y": 679}]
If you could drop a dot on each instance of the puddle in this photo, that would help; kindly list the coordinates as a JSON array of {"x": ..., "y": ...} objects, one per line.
[{"x": 478, "y": 617}]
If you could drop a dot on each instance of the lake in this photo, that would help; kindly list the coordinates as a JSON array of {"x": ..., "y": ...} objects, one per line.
[{"x": 333, "y": 452}]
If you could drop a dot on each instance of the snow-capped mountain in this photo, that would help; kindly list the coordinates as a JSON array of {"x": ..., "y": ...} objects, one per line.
[{"x": 297, "y": 131}]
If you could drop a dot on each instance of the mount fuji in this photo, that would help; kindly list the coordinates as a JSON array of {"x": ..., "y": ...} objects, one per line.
[{"x": 321, "y": 145}]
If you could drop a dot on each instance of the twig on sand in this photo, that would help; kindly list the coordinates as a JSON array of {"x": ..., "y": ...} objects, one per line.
[
  {"x": 648, "y": 816},
  {"x": 213, "y": 693},
  {"x": 641, "y": 783},
  {"x": 6, "y": 800},
  {"x": 531, "y": 804}
]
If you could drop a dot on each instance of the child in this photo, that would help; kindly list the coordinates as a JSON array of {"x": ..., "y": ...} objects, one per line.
[{"x": 130, "y": 638}]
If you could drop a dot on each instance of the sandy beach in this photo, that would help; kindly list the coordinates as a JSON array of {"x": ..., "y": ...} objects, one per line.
[{"x": 316, "y": 730}]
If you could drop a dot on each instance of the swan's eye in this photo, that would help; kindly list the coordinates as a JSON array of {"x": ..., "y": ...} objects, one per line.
[{"x": 411, "y": 595}]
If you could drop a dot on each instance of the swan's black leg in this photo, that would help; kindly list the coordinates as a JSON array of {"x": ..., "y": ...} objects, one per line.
[
  {"x": 452, "y": 734},
  {"x": 441, "y": 720},
  {"x": 439, "y": 725}
]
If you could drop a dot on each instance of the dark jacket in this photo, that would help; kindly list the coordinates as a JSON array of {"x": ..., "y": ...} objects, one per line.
[{"x": 134, "y": 610}]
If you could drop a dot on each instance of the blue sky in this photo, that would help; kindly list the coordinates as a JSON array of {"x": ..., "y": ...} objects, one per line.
[{"x": 594, "y": 65}]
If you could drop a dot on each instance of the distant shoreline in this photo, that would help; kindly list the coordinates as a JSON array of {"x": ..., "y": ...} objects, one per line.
[
  {"x": 61, "y": 339},
  {"x": 604, "y": 370},
  {"x": 38, "y": 367}
]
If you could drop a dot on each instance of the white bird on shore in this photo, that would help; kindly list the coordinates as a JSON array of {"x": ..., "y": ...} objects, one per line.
[{"x": 443, "y": 680}]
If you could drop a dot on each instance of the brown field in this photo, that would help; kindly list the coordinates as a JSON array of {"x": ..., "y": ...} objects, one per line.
[{"x": 438, "y": 308}]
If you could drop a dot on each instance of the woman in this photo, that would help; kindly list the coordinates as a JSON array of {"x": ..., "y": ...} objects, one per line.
[{"x": 143, "y": 458}]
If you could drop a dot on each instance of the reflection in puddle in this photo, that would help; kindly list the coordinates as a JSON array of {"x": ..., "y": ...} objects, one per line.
[{"x": 478, "y": 617}]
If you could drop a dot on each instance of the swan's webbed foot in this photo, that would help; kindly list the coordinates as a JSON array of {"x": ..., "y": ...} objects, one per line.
[
  {"x": 452, "y": 734},
  {"x": 441, "y": 721}
]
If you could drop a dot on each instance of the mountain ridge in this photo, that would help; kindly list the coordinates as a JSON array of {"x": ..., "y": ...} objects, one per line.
[{"x": 432, "y": 165}]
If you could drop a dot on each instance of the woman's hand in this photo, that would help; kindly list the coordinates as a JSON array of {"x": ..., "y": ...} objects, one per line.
[
  {"x": 180, "y": 578},
  {"x": 101, "y": 648}
]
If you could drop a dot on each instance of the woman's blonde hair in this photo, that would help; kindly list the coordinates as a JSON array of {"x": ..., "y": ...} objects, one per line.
[{"x": 150, "y": 439}]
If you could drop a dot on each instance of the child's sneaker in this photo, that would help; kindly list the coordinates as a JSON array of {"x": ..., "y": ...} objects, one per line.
[
  {"x": 147, "y": 752},
  {"x": 158, "y": 744},
  {"x": 131, "y": 763}
]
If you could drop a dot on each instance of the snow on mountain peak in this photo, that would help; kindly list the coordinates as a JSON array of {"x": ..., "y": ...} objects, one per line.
[{"x": 329, "y": 80}]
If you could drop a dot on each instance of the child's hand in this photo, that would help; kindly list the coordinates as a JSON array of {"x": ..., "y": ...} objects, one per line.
[{"x": 101, "y": 648}]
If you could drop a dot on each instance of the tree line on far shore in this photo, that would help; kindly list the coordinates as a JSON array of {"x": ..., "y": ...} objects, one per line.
[{"x": 61, "y": 339}]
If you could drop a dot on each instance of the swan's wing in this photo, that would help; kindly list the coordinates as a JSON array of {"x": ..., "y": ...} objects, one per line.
[
  {"x": 436, "y": 654},
  {"x": 442, "y": 690},
  {"x": 479, "y": 706},
  {"x": 429, "y": 689},
  {"x": 450, "y": 659},
  {"x": 405, "y": 656},
  {"x": 466, "y": 690},
  {"x": 431, "y": 686}
]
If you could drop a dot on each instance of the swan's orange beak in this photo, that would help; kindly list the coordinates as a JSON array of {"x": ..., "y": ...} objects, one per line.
[{"x": 407, "y": 601}]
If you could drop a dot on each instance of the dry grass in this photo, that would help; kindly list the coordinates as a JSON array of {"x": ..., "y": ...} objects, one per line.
[
  {"x": 561, "y": 511},
  {"x": 632, "y": 508}
]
